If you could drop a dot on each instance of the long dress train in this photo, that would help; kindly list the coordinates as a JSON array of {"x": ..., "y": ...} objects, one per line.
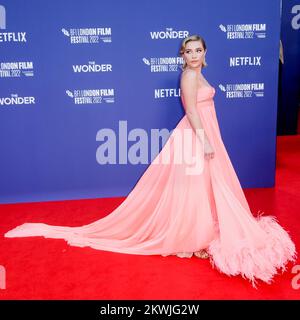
[{"x": 170, "y": 212}]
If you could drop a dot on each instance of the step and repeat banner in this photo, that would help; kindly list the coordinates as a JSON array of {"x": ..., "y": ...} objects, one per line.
[
  {"x": 86, "y": 85},
  {"x": 289, "y": 82}
]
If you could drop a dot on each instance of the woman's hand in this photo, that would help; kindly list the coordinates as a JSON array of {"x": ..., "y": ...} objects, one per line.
[{"x": 209, "y": 152}]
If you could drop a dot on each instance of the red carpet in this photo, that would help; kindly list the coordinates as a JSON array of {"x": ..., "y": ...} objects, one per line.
[{"x": 38, "y": 268}]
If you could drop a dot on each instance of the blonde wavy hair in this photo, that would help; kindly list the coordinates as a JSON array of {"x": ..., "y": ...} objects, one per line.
[{"x": 194, "y": 37}]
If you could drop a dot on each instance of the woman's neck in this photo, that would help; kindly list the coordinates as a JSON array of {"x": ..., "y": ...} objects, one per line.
[{"x": 198, "y": 69}]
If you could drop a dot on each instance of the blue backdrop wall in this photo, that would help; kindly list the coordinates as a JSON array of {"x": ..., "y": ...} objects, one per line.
[
  {"x": 69, "y": 69},
  {"x": 289, "y": 97}
]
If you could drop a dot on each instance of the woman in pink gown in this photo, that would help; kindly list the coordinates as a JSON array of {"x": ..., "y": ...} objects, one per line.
[{"x": 171, "y": 211}]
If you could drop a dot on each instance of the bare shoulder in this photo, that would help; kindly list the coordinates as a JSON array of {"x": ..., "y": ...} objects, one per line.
[{"x": 189, "y": 76}]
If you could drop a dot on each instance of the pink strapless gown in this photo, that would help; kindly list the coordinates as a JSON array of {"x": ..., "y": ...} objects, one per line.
[{"x": 170, "y": 212}]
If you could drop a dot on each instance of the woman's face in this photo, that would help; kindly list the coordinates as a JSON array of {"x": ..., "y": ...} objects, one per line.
[{"x": 194, "y": 54}]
